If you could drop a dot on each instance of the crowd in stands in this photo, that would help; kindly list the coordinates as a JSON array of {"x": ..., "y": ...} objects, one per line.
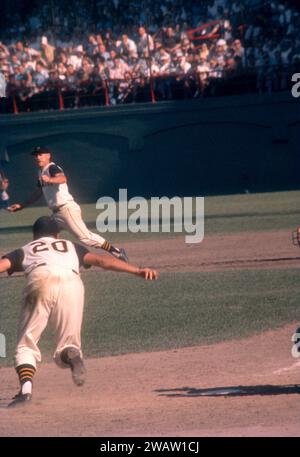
[{"x": 84, "y": 52}]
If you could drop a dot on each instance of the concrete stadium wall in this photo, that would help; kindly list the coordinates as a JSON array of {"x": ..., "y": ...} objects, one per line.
[{"x": 197, "y": 147}]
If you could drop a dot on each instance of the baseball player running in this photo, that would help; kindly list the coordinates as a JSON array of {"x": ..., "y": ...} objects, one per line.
[
  {"x": 52, "y": 184},
  {"x": 54, "y": 292}
]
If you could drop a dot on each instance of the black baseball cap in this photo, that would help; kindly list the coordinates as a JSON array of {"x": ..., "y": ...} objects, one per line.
[
  {"x": 45, "y": 226},
  {"x": 40, "y": 150}
]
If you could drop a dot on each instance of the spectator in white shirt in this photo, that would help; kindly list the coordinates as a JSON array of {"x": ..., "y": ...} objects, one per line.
[
  {"x": 145, "y": 41},
  {"x": 48, "y": 51},
  {"x": 119, "y": 69},
  {"x": 164, "y": 59},
  {"x": 127, "y": 46},
  {"x": 184, "y": 65},
  {"x": 75, "y": 58},
  {"x": 30, "y": 51}
]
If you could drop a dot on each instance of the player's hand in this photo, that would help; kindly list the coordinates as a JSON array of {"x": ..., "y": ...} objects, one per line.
[
  {"x": 15, "y": 207},
  {"x": 148, "y": 274},
  {"x": 45, "y": 179}
]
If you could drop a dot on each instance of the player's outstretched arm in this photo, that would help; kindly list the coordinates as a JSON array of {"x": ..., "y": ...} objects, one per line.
[
  {"x": 4, "y": 265},
  {"x": 32, "y": 199},
  {"x": 110, "y": 263}
]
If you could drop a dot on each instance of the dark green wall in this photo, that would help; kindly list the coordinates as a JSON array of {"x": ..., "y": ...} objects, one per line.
[{"x": 198, "y": 147}]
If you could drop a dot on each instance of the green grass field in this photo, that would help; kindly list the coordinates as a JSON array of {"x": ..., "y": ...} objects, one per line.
[
  {"x": 125, "y": 314},
  {"x": 225, "y": 214}
]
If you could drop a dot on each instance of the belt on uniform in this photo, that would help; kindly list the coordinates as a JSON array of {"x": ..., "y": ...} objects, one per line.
[
  {"x": 44, "y": 264},
  {"x": 40, "y": 265},
  {"x": 37, "y": 266},
  {"x": 57, "y": 208}
]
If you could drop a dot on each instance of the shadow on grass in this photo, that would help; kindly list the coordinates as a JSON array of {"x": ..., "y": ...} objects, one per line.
[
  {"x": 231, "y": 391},
  {"x": 16, "y": 229},
  {"x": 28, "y": 228}
]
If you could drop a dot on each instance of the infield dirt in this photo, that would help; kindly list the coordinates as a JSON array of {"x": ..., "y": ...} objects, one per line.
[{"x": 135, "y": 394}]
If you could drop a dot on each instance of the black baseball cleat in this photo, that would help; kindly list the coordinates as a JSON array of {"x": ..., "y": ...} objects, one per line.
[
  {"x": 75, "y": 361},
  {"x": 122, "y": 255},
  {"x": 119, "y": 253},
  {"x": 20, "y": 400}
]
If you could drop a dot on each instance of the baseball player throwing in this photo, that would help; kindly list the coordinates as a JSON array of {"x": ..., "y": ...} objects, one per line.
[
  {"x": 52, "y": 183},
  {"x": 54, "y": 292}
]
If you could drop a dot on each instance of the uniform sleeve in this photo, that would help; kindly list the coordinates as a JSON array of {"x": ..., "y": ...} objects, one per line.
[
  {"x": 81, "y": 251},
  {"x": 16, "y": 259},
  {"x": 55, "y": 170}
]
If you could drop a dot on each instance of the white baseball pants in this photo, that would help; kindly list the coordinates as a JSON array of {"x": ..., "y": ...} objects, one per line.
[
  {"x": 55, "y": 297},
  {"x": 69, "y": 218}
]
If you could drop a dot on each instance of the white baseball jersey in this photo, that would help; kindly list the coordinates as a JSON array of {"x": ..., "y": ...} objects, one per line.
[
  {"x": 48, "y": 252},
  {"x": 55, "y": 194},
  {"x": 52, "y": 292}
]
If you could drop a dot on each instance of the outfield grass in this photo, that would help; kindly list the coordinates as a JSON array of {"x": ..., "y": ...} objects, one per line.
[
  {"x": 125, "y": 314},
  {"x": 225, "y": 214}
]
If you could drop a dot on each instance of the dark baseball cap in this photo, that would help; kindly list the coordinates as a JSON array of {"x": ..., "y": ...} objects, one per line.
[
  {"x": 45, "y": 226},
  {"x": 40, "y": 150}
]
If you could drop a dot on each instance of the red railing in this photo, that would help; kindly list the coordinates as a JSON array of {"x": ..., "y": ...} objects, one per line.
[{"x": 195, "y": 34}]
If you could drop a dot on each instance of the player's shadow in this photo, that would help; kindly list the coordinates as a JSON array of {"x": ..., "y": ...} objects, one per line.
[
  {"x": 16, "y": 229},
  {"x": 28, "y": 228},
  {"x": 231, "y": 391}
]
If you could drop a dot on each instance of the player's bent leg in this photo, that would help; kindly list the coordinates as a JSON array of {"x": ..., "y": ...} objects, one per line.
[
  {"x": 66, "y": 318},
  {"x": 33, "y": 320},
  {"x": 72, "y": 357},
  {"x": 69, "y": 216}
]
